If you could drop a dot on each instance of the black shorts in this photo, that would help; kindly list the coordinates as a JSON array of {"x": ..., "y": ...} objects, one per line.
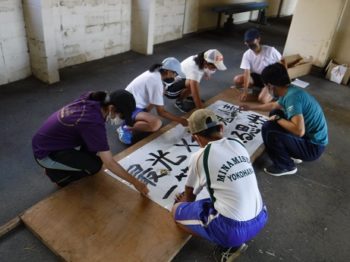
[
  {"x": 257, "y": 80},
  {"x": 174, "y": 91},
  {"x": 75, "y": 164}
]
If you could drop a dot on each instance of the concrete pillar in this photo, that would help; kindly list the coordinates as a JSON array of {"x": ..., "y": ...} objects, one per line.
[
  {"x": 191, "y": 16},
  {"x": 38, "y": 15},
  {"x": 143, "y": 17}
]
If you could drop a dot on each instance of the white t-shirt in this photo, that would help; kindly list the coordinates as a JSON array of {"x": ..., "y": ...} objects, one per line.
[
  {"x": 191, "y": 69},
  {"x": 232, "y": 182},
  {"x": 147, "y": 89},
  {"x": 257, "y": 62}
]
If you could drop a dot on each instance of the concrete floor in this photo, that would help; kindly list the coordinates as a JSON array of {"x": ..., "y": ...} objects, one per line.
[{"x": 309, "y": 212}]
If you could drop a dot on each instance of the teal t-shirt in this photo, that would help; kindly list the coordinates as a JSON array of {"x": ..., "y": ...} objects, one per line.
[{"x": 295, "y": 102}]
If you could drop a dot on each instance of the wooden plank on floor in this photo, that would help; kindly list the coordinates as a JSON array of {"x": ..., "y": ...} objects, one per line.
[
  {"x": 101, "y": 219},
  {"x": 12, "y": 224}
]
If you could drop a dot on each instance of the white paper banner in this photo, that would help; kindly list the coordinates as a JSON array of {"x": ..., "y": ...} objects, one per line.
[{"x": 162, "y": 163}]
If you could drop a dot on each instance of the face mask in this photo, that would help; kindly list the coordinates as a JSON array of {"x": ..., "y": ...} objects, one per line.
[
  {"x": 168, "y": 82},
  {"x": 116, "y": 121},
  {"x": 209, "y": 72},
  {"x": 272, "y": 91},
  {"x": 252, "y": 46}
]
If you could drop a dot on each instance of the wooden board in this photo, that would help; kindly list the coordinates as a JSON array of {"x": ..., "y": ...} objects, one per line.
[{"x": 101, "y": 219}]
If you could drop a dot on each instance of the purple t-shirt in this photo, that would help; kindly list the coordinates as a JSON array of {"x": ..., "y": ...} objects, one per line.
[{"x": 79, "y": 123}]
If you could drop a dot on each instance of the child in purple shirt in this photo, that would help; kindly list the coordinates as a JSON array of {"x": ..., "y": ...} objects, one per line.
[{"x": 72, "y": 142}]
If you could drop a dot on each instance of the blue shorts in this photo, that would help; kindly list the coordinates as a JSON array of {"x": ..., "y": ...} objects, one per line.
[
  {"x": 134, "y": 114},
  {"x": 136, "y": 111},
  {"x": 201, "y": 218}
]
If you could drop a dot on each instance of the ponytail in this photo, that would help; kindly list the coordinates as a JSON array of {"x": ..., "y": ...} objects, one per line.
[
  {"x": 122, "y": 100},
  {"x": 199, "y": 60},
  {"x": 102, "y": 97},
  {"x": 155, "y": 67}
]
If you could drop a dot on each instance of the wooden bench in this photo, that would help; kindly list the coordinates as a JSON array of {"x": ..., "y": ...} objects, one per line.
[
  {"x": 100, "y": 219},
  {"x": 231, "y": 9}
]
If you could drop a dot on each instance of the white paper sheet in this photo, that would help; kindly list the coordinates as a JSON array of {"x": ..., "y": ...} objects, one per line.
[
  {"x": 300, "y": 83},
  {"x": 171, "y": 151}
]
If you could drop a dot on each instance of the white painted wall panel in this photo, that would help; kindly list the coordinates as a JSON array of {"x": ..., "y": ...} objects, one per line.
[
  {"x": 14, "y": 57},
  {"x": 341, "y": 46},
  {"x": 313, "y": 29},
  {"x": 90, "y": 29},
  {"x": 169, "y": 19}
]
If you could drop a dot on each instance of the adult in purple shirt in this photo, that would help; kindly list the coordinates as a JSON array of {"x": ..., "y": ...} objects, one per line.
[{"x": 72, "y": 142}]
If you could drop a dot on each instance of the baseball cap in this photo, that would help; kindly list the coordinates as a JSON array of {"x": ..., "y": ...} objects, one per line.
[
  {"x": 202, "y": 119},
  {"x": 213, "y": 56},
  {"x": 124, "y": 103},
  {"x": 251, "y": 34},
  {"x": 172, "y": 64}
]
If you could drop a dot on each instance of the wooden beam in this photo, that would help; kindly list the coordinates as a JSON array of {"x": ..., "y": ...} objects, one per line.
[{"x": 12, "y": 224}]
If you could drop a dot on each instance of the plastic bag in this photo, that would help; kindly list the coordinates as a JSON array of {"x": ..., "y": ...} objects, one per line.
[
  {"x": 338, "y": 73},
  {"x": 335, "y": 72}
]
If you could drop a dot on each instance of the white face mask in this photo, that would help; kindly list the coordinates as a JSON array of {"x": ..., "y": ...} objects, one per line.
[
  {"x": 167, "y": 84},
  {"x": 272, "y": 91},
  {"x": 209, "y": 72},
  {"x": 116, "y": 121}
]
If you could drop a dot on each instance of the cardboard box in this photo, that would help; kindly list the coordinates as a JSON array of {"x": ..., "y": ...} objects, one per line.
[
  {"x": 298, "y": 65},
  {"x": 333, "y": 64}
]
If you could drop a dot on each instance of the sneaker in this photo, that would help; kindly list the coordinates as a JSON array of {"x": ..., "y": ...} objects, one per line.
[
  {"x": 296, "y": 161},
  {"x": 182, "y": 107},
  {"x": 275, "y": 171},
  {"x": 189, "y": 99},
  {"x": 233, "y": 252},
  {"x": 125, "y": 135}
]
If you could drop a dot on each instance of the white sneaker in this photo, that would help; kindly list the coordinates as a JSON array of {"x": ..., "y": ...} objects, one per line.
[
  {"x": 232, "y": 253},
  {"x": 296, "y": 161}
]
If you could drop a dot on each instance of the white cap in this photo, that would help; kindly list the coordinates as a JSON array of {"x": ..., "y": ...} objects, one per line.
[{"x": 213, "y": 56}]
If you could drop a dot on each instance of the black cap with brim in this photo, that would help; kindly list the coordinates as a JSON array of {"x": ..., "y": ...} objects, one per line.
[
  {"x": 251, "y": 34},
  {"x": 125, "y": 104}
]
